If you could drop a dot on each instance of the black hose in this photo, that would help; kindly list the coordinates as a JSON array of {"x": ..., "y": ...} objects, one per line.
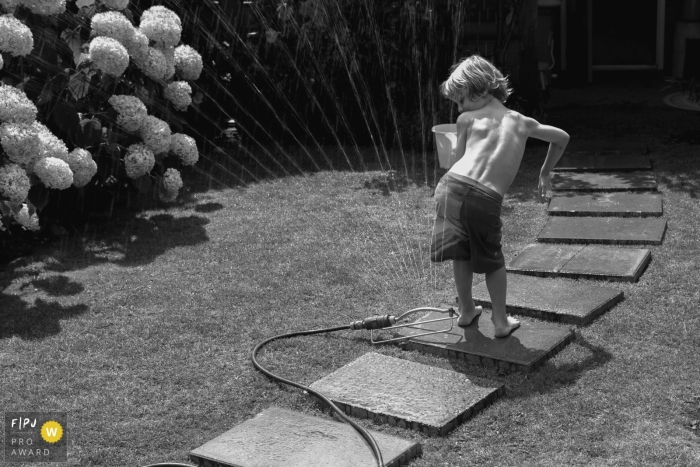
[{"x": 364, "y": 433}]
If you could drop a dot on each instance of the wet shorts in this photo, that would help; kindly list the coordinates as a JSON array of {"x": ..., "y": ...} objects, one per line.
[{"x": 467, "y": 224}]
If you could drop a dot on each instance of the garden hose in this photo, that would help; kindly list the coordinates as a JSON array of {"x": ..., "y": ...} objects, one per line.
[{"x": 374, "y": 322}]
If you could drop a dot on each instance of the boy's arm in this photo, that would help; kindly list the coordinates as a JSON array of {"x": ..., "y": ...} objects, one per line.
[
  {"x": 558, "y": 139},
  {"x": 463, "y": 124}
]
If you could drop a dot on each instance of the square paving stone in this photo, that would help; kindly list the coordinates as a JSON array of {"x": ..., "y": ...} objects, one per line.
[
  {"x": 604, "y": 230},
  {"x": 552, "y": 300},
  {"x": 524, "y": 350},
  {"x": 616, "y": 163},
  {"x": 403, "y": 393},
  {"x": 621, "y": 181},
  {"x": 278, "y": 437},
  {"x": 619, "y": 204},
  {"x": 590, "y": 261}
]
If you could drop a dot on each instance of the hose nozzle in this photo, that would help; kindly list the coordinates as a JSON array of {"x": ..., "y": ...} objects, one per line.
[{"x": 374, "y": 322}]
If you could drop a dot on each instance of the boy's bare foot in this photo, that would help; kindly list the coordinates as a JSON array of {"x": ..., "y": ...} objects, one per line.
[
  {"x": 503, "y": 331},
  {"x": 466, "y": 318}
]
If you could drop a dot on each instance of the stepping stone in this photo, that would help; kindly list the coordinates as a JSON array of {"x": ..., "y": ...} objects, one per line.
[
  {"x": 612, "y": 163},
  {"x": 278, "y": 437},
  {"x": 581, "y": 261},
  {"x": 524, "y": 350},
  {"x": 552, "y": 300},
  {"x": 626, "y": 181},
  {"x": 407, "y": 394},
  {"x": 605, "y": 230},
  {"x": 618, "y": 204}
]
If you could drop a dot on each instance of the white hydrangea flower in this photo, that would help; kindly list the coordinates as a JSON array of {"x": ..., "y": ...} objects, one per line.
[
  {"x": 184, "y": 147},
  {"x": 109, "y": 55},
  {"x": 15, "y": 37},
  {"x": 115, "y": 25},
  {"x": 82, "y": 165},
  {"x": 161, "y": 25},
  {"x": 116, "y": 4},
  {"x": 139, "y": 160},
  {"x": 14, "y": 183},
  {"x": 21, "y": 143},
  {"x": 179, "y": 93},
  {"x": 45, "y": 7},
  {"x": 138, "y": 46},
  {"x": 131, "y": 111},
  {"x": 54, "y": 172},
  {"x": 169, "y": 54},
  {"x": 154, "y": 64},
  {"x": 156, "y": 134},
  {"x": 15, "y": 106},
  {"x": 25, "y": 220},
  {"x": 51, "y": 145},
  {"x": 188, "y": 62},
  {"x": 170, "y": 185}
]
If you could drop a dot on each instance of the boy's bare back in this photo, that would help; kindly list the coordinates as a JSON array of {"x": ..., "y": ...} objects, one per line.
[{"x": 492, "y": 141}]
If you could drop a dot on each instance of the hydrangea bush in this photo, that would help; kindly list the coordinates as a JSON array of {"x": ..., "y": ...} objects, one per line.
[{"x": 88, "y": 94}]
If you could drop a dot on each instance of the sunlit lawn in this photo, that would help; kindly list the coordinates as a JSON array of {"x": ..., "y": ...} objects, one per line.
[{"x": 142, "y": 329}]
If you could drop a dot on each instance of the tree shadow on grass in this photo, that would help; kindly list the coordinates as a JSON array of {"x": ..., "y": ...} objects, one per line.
[{"x": 38, "y": 320}]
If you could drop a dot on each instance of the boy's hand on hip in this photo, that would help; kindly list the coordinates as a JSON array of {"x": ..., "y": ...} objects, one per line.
[{"x": 544, "y": 186}]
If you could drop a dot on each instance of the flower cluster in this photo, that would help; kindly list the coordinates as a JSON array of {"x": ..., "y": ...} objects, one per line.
[
  {"x": 185, "y": 148},
  {"x": 188, "y": 62},
  {"x": 51, "y": 146},
  {"x": 139, "y": 161},
  {"x": 169, "y": 54},
  {"x": 25, "y": 220},
  {"x": 138, "y": 46},
  {"x": 45, "y": 7},
  {"x": 156, "y": 134},
  {"x": 153, "y": 64},
  {"x": 15, "y": 106},
  {"x": 21, "y": 143},
  {"x": 54, "y": 172},
  {"x": 15, "y": 37},
  {"x": 179, "y": 93},
  {"x": 131, "y": 111},
  {"x": 161, "y": 25},
  {"x": 83, "y": 167},
  {"x": 116, "y": 4},
  {"x": 171, "y": 184},
  {"x": 14, "y": 183},
  {"x": 114, "y": 25},
  {"x": 109, "y": 55}
]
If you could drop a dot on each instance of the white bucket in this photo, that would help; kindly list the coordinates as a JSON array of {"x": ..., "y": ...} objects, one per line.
[{"x": 446, "y": 142}]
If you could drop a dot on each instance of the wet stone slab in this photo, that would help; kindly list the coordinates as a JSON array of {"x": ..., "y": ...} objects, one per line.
[
  {"x": 525, "y": 349},
  {"x": 619, "y": 204},
  {"x": 581, "y": 261},
  {"x": 603, "y": 230},
  {"x": 553, "y": 300},
  {"x": 278, "y": 437},
  {"x": 621, "y": 181},
  {"x": 407, "y": 394},
  {"x": 611, "y": 163}
]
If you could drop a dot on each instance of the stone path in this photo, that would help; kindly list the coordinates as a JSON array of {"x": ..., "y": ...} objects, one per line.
[
  {"x": 435, "y": 401},
  {"x": 620, "y": 204},
  {"x": 278, "y": 437}
]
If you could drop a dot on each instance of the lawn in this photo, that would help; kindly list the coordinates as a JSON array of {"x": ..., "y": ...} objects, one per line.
[{"x": 141, "y": 329}]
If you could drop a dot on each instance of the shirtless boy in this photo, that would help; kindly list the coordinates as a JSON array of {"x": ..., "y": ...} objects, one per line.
[{"x": 491, "y": 141}]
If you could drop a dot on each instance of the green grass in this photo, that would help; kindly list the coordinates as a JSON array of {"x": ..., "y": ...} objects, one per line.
[{"x": 142, "y": 329}]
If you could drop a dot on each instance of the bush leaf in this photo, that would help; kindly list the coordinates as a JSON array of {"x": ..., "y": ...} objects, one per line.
[
  {"x": 88, "y": 133},
  {"x": 66, "y": 117},
  {"x": 143, "y": 183}
]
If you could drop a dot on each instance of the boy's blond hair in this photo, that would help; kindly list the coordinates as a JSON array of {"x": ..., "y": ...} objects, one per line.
[{"x": 476, "y": 77}]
